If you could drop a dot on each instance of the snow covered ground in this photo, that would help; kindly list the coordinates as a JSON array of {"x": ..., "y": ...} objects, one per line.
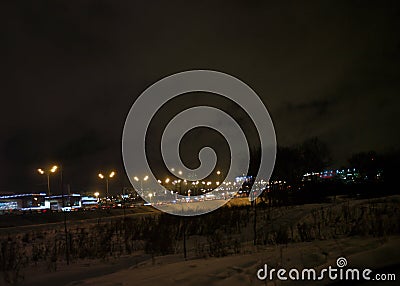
[
  {"x": 332, "y": 231},
  {"x": 379, "y": 254}
]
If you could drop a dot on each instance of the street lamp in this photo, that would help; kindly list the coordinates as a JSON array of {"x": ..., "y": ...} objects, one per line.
[
  {"x": 111, "y": 175},
  {"x": 47, "y": 173},
  {"x": 145, "y": 180},
  {"x": 141, "y": 181},
  {"x": 97, "y": 194}
]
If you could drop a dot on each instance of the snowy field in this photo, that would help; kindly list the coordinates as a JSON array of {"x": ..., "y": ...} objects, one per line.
[
  {"x": 374, "y": 253},
  {"x": 225, "y": 247}
]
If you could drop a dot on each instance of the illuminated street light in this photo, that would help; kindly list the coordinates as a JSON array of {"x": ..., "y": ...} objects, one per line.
[
  {"x": 167, "y": 180},
  {"x": 218, "y": 172},
  {"x": 111, "y": 175},
  {"x": 97, "y": 194},
  {"x": 145, "y": 178},
  {"x": 52, "y": 170},
  {"x": 47, "y": 173}
]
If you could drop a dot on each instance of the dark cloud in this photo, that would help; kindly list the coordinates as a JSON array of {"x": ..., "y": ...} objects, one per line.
[{"x": 73, "y": 68}]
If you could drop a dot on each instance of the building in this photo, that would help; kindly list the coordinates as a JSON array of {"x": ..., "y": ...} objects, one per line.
[
  {"x": 89, "y": 203},
  {"x": 63, "y": 203},
  {"x": 23, "y": 202},
  {"x": 40, "y": 202},
  {"x": 344, "y": 175}
]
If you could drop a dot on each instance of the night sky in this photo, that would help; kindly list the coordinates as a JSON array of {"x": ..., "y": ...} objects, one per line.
[{"x": 72, "y": 69}]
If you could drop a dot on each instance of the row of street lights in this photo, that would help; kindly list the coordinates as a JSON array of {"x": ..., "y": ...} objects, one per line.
[
  {"x": 54, "y": 168},
  {"x": 112, "y": 174}
]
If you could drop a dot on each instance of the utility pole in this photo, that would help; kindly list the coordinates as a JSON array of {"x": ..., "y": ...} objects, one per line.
[{"x": 65, "y": 216}]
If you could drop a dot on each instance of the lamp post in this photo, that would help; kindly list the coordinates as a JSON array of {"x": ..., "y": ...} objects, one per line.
[
  {"x": 144, "y": 179},
  {"x": 47, "y": 173},
  {"x": 97, "y": 194},
  {"x": 141, "y": 181},
  {"x": 101, "y": 176}
]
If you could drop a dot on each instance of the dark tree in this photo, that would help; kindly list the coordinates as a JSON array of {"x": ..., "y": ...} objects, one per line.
[
  {"x": 365, "y": 161},
  {"x": 315, "y": 155},
  {"x": 372, "y": 164},
  {"x": 293, "y": 162},
  {"x": 288, "y": 165}
]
